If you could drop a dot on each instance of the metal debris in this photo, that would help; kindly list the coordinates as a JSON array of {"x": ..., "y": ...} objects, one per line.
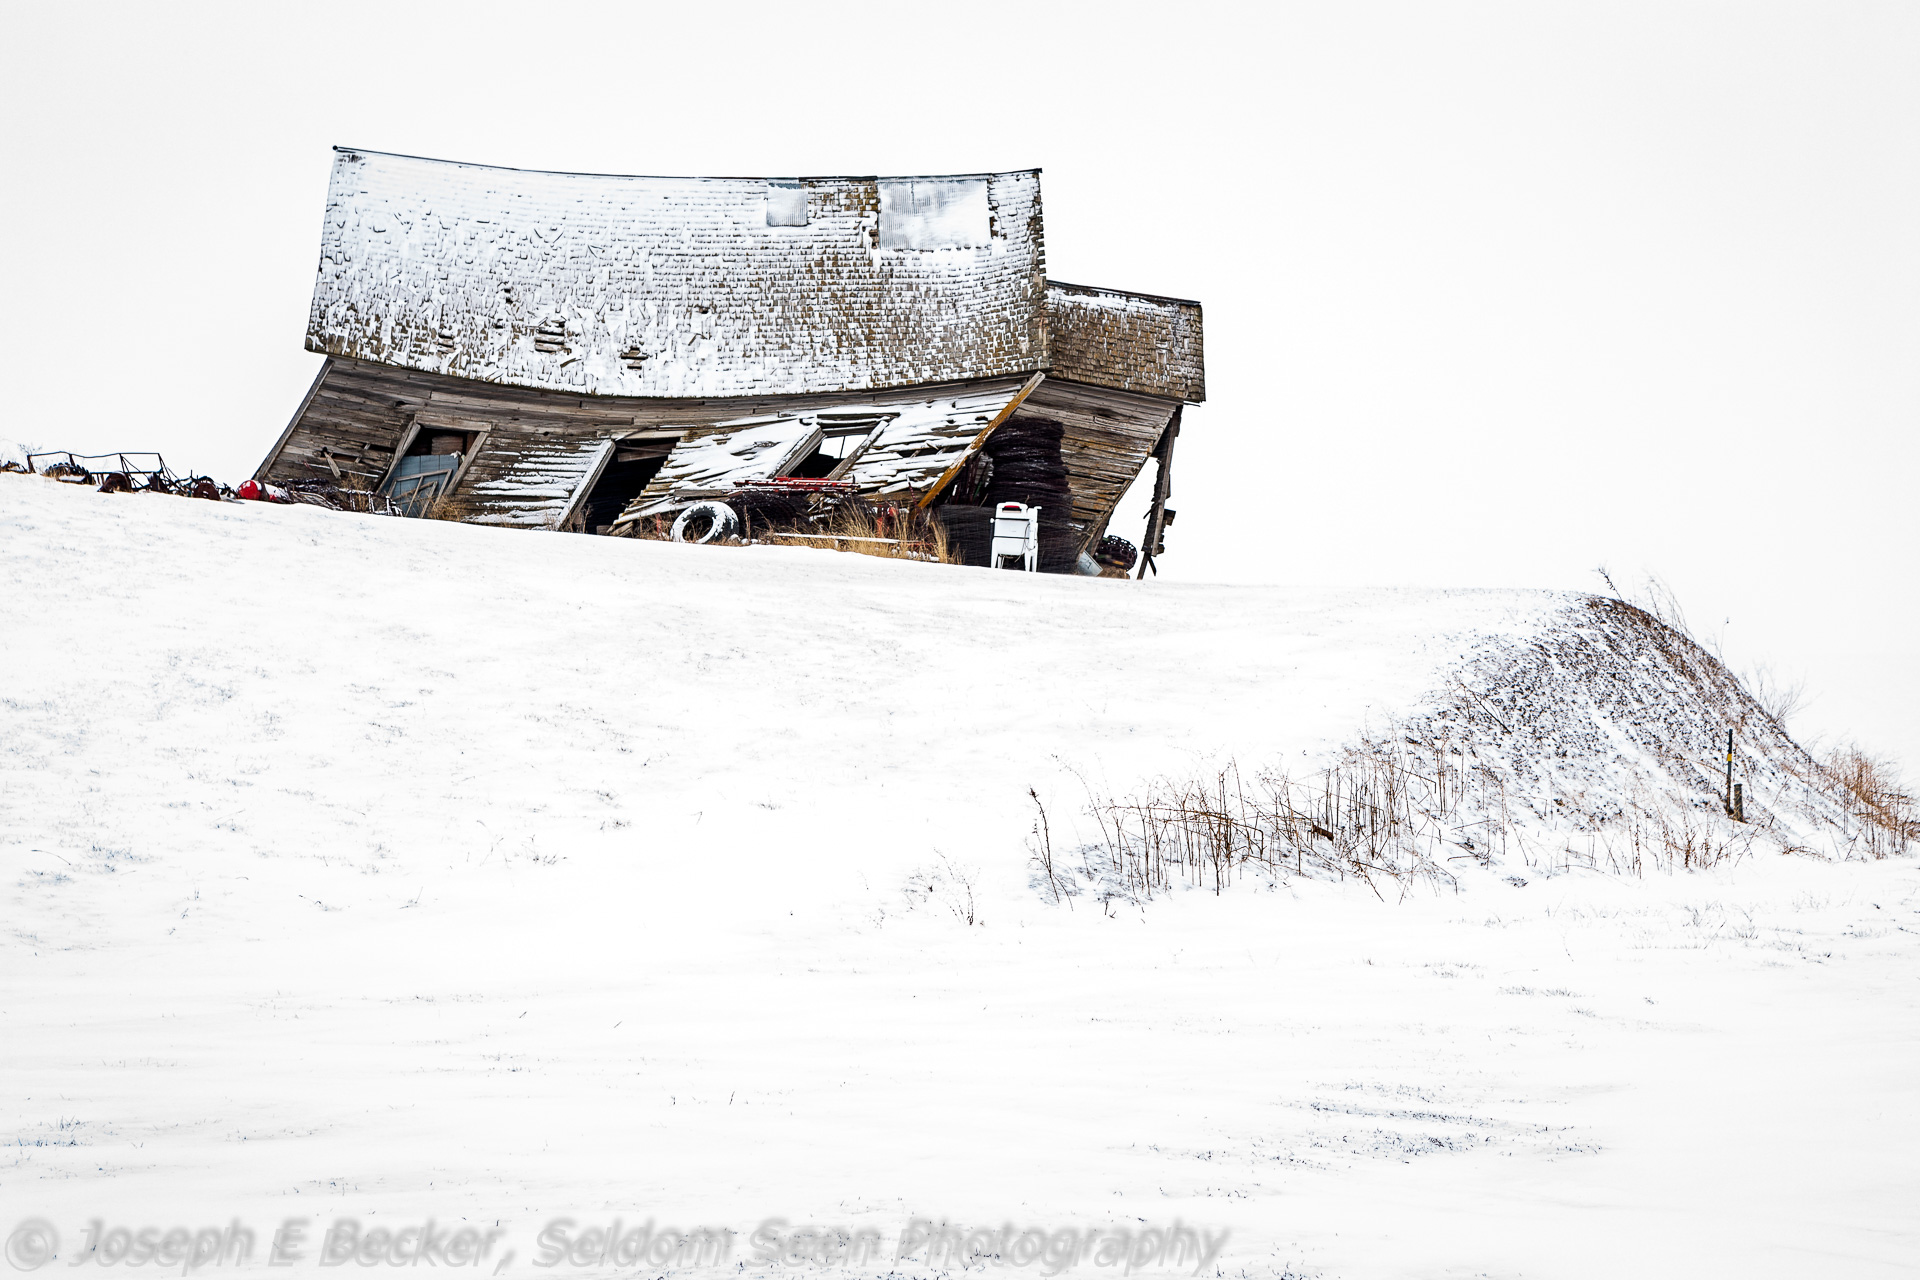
[{"x": 123, "y": 473}]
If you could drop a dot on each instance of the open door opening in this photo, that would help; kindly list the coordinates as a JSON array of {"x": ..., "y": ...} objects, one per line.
[
  {"x": 633, "y": 465},
  {"x": 427, "y": 469}
]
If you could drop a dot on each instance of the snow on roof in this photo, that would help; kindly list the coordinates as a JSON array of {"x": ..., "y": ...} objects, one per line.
[
  {"x": 742, "y": 451},
  {"x": 640, "y": 286}
]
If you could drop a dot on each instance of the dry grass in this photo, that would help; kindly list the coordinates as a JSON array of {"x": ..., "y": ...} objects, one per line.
[
  {"x": 887, "y": 530},
  {"x": 1777, "y": 697},
  {"x": 1390, "y": 817},
  {"x": 647, "y": 529},
  {"x": 1887, "y": 814},
  {"x": 1400, "y": 815},
  {"x": 1648, "y": 837},
  {"x": 1378, "y": 817},
  {"x": 891, "y": 532},
  {"x": 1878, "y": 816},
  {"x": 451, "y": 507},
  {"x": 1508, "y": 771}
]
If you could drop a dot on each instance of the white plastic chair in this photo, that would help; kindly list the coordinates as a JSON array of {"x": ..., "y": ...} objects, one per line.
[{"x": 1016, "y": 535}]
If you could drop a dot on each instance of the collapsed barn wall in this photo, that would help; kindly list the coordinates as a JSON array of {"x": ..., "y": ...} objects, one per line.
[
  {"x": 531, "y": 449},
  {"x": 895, "y": 447},
  {"x": 1108, "y": 436},
  {"x": 360, "y": 415}
]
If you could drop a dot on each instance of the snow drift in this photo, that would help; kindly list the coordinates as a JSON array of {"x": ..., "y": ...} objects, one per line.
[
  {"x": 1606, "y": 740},
  {"x": 382, "y": 870}
]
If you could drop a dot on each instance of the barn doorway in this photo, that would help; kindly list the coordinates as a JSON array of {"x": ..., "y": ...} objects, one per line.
[
  {"x": 634, "y": 464},
  {"x": 429, "y": 464}
]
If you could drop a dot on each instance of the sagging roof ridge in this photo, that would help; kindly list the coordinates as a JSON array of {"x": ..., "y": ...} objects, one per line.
[
  {"x": 1125, "y": 293},
  {"x": 690, "y": 177}
]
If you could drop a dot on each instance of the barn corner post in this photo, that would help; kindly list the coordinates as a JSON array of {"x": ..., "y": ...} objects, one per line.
[{"x": 1162, "y": 488}]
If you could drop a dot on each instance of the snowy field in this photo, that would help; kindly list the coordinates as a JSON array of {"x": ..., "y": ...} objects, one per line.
[{"x": 390, "y": 871}]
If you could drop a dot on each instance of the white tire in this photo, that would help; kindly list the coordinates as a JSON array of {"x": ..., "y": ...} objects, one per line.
[{"x": 718, "y": 516}]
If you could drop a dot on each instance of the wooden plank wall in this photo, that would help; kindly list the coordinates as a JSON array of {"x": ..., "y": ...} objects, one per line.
[
  {"x": 526, "y": 479},
  {"x": 1132, "y": 341},
  {"x": 358, "y": 421},
  {"x": 1109, "y": 435},
  {"x": 360, "y": 412}
]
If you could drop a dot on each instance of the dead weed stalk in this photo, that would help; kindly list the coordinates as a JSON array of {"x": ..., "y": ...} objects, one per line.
[
  {"x": 1379, "y": 817},
  {"x": 1886, "y": 815},
  {"x": 892, "y": 532},
  {"x": 1388, "y": 816}
]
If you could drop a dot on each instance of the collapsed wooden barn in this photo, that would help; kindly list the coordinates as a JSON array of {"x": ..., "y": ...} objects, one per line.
[{"x": 593, "y": 353}]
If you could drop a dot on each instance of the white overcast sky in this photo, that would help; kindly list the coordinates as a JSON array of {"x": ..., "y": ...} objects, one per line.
[{"x": 1494, "y": 293}]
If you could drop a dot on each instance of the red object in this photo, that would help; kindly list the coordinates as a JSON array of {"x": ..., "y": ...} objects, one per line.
[{"x": 257, "y": 492}]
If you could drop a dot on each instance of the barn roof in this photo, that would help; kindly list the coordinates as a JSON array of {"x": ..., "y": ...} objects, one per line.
[
  {"x": 1129, "y": 341},
  {"x": 639, "y": 286}
]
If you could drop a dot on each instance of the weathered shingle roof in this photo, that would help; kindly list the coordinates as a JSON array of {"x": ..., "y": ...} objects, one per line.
[
  {"x": 1129, "y": 341},
  {"x": 634, "y": 286}
]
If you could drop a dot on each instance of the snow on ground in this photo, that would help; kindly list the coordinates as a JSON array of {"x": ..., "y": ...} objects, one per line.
[{"x": 386, "y": 870}]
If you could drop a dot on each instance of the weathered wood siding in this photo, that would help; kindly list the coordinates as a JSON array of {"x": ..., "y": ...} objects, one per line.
[
  {"x": 1109, "y": 435},
  {"x": 361, "y": 412},
  {"x": 1127, "y": 341},
  {"x": 528, "y": 479}
]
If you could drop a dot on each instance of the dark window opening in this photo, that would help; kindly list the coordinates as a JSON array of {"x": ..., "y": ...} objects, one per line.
[
  {"x": 431, "y": 440},
  {"x": 817, "y": 465},
  {"x": 633, "y": 466},
  {"x": 843, "y": 438}
]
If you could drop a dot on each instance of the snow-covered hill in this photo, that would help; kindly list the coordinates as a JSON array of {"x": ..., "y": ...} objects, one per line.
[{"x": 385, "y": 870}]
